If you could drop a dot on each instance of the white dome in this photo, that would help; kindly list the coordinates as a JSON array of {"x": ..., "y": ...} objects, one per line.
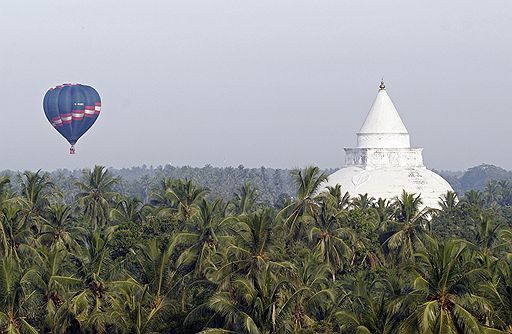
[
  {"x": 383, "y": 164},
  {"x": 388, "y": 182}
]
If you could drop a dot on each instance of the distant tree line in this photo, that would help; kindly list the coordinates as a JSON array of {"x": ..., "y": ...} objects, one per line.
[
  {"x": 274, "y": 185},
  {"x": 475, "y": 178}
]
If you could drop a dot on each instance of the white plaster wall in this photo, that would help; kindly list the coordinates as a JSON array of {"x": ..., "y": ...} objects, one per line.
[
  {"x": 383, "y": 157},
  {"x": 383, "y": 140}
]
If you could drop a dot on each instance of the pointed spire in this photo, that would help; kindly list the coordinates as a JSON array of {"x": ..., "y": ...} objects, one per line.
[
  {"x": 383, "y": 127},
  {"x": 382, "y": 85}
]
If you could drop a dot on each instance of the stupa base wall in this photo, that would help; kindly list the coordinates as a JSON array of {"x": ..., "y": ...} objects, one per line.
[{"x": 384, "y": 157}]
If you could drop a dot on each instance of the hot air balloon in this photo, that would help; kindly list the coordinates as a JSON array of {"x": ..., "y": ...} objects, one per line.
[{"x": 72, "y": 109}]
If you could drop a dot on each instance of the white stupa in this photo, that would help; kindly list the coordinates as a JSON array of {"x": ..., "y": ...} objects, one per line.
[{"x": 383, "y": 163}]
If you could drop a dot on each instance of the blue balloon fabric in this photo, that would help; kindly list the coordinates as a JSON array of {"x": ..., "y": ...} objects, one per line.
[{"x": 72, "y": 109}]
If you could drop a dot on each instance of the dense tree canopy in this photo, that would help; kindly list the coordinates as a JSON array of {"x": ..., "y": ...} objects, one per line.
[{"x": 87, "y": 256}]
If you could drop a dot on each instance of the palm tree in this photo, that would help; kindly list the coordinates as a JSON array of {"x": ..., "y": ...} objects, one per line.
[
  {"x": 448, "y": 202},
  {"x": 506, "y": 192},
  {"x": 161, "y": 282},
  {"x": 410, "y": 225},
  {"x": 127, "y": 210},
  {"x": 446, "y": 218},
  {"x": 368, "y": 306},
  {"x": 59, "y": 228},
  {"x": 363, "y": 202},
  {"x": 493, "y": 193},
  {"x": 36, "y": 191},
  {"x": 491, "y": 237},
  {"x": 178, "y": 197},
  {"x": 55, "y": 282},
  {"x": 158, "y": 196},
  {"x": 308, "y": 182},
  {"x": 4, "y": 193},
  {"x": 384, "y": 210},
  {"x": 250, "y": 306},
  {"x": 445, "y": 298},
  {"x": 18, "y": 298},
  {"x": 502, "y": 286},
  {"x": 4, "y": 182},
  {"x": 244, "y": 199},
  {"x": 308, "y": 294},
  {"x": 207, "y": 229},
  {"x": 96, "y": 194},
  {"x": 16, "y": 234},
  {"x": 342, "y": 201},
  {"x": 474, "y": 199},
  {"x": 408, "y": 208},
  {"x": 96, "y": 304},
  {"x": 252, "y": 249},
  {"x": 332, "y": 241}
]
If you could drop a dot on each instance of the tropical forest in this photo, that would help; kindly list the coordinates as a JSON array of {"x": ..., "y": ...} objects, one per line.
[{"x": 89, "y": 252}]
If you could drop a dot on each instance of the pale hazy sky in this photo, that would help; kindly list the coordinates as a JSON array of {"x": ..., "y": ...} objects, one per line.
[{"x": 260, "y": 83}]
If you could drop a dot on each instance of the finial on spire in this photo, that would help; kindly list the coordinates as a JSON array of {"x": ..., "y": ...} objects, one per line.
[{"x": 382, "y": 85}]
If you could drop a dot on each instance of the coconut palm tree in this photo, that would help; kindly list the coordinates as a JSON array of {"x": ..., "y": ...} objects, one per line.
[
  {"x": 342, "y": 201},
  {"x": 384, "y": 210},
  {"x": 308, "y": 293},
  {"x": 177, "y": 197},
  {"x": 448, "y": 202},
  {"x": 493, "y": 193},
  {"x": 244, "y": 199},
  {"x": 506, "y": 192},
  {"x": 252, "y": 249},
  {"x": 161, "y": 282},
  {"x": 409, "y": 226},
  {"x": 369, "y": 305},
  {"x": 55, "y": 282},
  {"x": 474, "y": 199},
  {"x": 503, "y": 295},
  {"x": 16, "y": 234},
  {"x": 203, "y": 235},
  {"x": 4, "y": 181},
  {"x": 36, "y": 190},
  {"x": 445, "y": 298},
  {"x": 308, "y": 182},
  {"x": 491, "y": 237},
  {"x": 250, "y": 305},
  {"x": 363, "y": 202},
  {"x": 96, "y": 194},
  {"x": 95, "y": 305},
  {"x": 127, "y": 210},
  {"x": 158, "y": 196},
  {"x": 4, "y": 191},
  {"x": 332, "y": 241},
  {"x": 18, "y": 298},
  {"x": 60, "y": 228}
]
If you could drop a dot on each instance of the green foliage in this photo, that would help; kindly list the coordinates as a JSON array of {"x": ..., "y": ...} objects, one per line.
[{"x": 97, "y": 253}]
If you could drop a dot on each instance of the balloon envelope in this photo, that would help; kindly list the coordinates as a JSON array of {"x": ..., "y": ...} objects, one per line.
[{"x": 72, "y": 109}]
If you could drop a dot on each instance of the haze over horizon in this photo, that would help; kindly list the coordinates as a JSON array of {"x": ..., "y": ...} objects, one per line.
[{"x": 277, "y": 84}]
